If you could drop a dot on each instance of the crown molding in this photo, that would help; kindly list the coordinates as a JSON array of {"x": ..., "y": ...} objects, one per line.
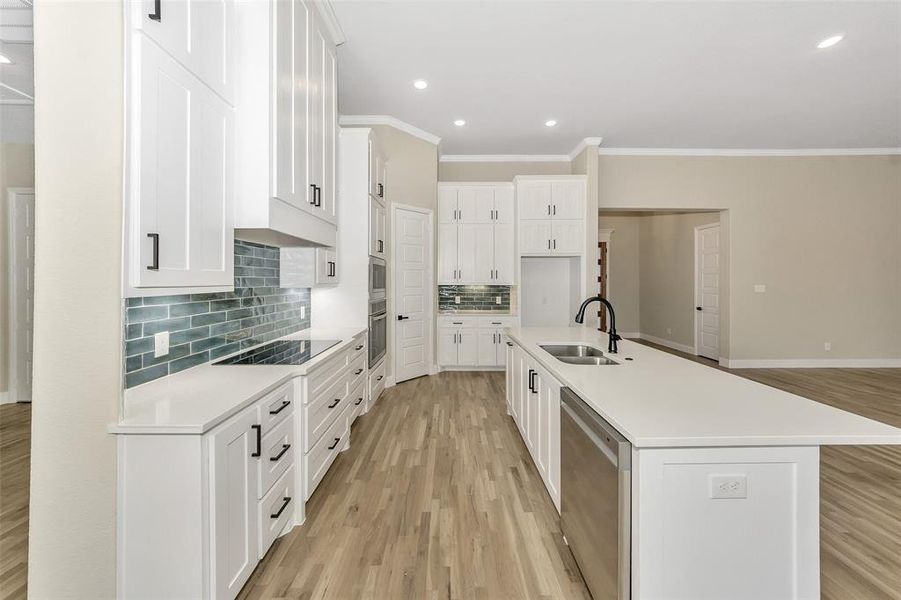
[
  {"x": 576, "y": 151},
  {"x": 749, "y": 152},
  {"x": 363, "y": 120},
  {"x": 585, "y": 143},
  {"x": 331, "y": 21}
]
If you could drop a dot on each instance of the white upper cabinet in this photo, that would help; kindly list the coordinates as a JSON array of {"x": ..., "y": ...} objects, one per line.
[
  {"x": 551, "y": 214},
  {"x": 534, "y": 200},
  {"x": 286, "y": 119},
  {"x": 179, "y": 176},
  {"x": 378, "y": 172},
  {"x": 568, "y": 200},
  {"x": 448, "y": 249},
  {"x": 199, "y": 34},
  {"x": 504, "y": 254},
  {"x": 377, "y": 229},
  {"x": 447, "y": 204}
]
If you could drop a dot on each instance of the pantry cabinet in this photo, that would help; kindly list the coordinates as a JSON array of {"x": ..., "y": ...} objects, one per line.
[
  {"x": 551, "y": 215},
  {"x": 377, "y": 228}
]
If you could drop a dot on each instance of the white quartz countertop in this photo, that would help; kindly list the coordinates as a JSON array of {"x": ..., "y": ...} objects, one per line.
[
  {"x": 661, "y": 400},
  {"x": 196, "y": 400}
]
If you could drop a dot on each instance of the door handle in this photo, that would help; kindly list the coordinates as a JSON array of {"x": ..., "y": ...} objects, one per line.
[
  {"x": 155, "y": 265},
  {"x": 381, "y": 191},
  {"x": 157, "y": 14},
  {"x": 698, "y": 308},
  {"x": 259, "y": 450},
  {"x": 532, "y": 382},
  {"x": 531, "y": 372},
  {"x": 313, "y": 194},
  {"x": 401, "y": 317},
  {"x": 317, "y": 196}
]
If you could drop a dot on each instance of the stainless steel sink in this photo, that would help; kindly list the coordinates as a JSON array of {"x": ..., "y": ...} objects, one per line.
[{"x": 578, "y": 354}]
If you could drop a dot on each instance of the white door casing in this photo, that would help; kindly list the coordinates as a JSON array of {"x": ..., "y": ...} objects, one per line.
[
  {"x": 707, "y": 291},
  {"x": 21, "y": 292},
  {"x": 412, "y": 235}
]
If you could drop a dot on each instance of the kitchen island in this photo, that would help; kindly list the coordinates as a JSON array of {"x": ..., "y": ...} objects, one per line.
[{"x": 724, "y": 497}]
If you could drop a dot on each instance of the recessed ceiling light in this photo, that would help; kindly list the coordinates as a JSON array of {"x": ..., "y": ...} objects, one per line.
[
  {"x": 420, "y": 84},
  {"x": 550, "y": 123},
  {"x": 5, "y": 60},
  {"x": 830, "y": 41},
  {"x": 459, "y": 122}
]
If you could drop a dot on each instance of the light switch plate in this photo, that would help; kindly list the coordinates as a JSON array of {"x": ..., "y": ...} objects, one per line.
[
  {"x": 161, "y": 344},
  {"x": 303, "y": 312},
  {"x": 456, "y": 299},
  {"x": 497, "y": 299},
  {"x": 729, "y": 486}
]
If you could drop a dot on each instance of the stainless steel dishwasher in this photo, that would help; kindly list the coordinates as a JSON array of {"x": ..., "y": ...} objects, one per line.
[{"x": 596, "y": 497}]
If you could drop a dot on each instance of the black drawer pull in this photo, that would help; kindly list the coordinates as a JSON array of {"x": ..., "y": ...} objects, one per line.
[
  {"x": 284, "y": 405},
  {"x": 379, "y": 378},
  {"x": 157, "y": 14},
  {"x": 357, "y": 403},
  {"x": 337, "y": 401},
  {"x": 155, "y": 265},
  {"x": 259, "y": 450},
  {"x": 335, "y": 445},
  {"x": 285, "y": 448},
  {"x": 358, "y": 371},
  {"x": 285, "y": 504},
  {"x": 360, "y": 347}
]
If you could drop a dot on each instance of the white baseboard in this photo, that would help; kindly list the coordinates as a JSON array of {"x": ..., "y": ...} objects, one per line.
[
  {"x": 434, "y": 370},
  {"x": 389, "y": 381},
  {"x": 4, "y": 398},
  {"x": 667, "y": 343},
  {"x": 632, "y": 334},
  {"x": 813, "y": 363},
  {"x": 449, "y": 368}
]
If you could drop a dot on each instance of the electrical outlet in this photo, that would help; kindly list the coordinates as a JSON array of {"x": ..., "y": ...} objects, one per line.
[
  {"x": 161, "y": 344},
  {"x": 827, "y": 346},
  {"x": 456, "y": 299},
  {"x": 760, "y": 288},
  {"x": 303, "y": 312},
  {"x": 729, "y": 486},
  {"x": 497, "y": 299}
]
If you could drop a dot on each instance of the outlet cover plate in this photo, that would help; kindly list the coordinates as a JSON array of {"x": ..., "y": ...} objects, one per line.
[{"x": 728, "y": 486}]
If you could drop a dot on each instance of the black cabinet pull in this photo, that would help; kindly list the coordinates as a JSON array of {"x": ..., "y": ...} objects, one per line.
[
  {"x": 155, "y": 265},
  {"x": 335, "y": 445},
  {"x": 313, "y": 194},
  {"x": 157, "y": 14},
  {"x": 259, "y": 450},
  {"x": 360, "y": 347},
  {"x": 381, "y": 191},
  {"x": 381, "y": 246},
  {"x": 549, "y": 244},
  {"x": 284, "y": 405},
  {"x": 402, "y": 318},
  {"x": 531, "y": 381},
  {"x": 358, "y": 371},
  {"x": 555, "y": 244},
  {"x": 555, "y": 209},
  {"x": 317, "y": 196},
  {"x": 379, "y": 378},
  {"x": 357, "y": 403},
  {"x": 510, "y": 344},
  {"x": 337, "y": 401},
  {"x": 285, "y": 448},
  {"x": 285, "y": 504},
  {"x": 698, "y": 308}
]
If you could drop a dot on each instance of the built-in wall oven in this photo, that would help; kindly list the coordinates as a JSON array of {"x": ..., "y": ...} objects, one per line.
[
  {"x": 596, "y": 498},
  {"x": 378, "y": 278},
  {"x": 378, "y": 330}
]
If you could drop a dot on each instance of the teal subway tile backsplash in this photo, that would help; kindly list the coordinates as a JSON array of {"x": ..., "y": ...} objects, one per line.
[
  {"x": 474, "y": 297},
  {"x": 207, "y": 326}
]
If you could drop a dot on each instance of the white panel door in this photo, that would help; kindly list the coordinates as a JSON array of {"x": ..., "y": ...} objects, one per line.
[
  {"x": 284, "y": 140},
  {"x": 567, "y": 236},
  {"x": 447, "y": 346},
  {"x": 468, "y": 347},
  {"x": 535, "y": 237},
  {"x": 21, "y": 278},
  {"x": 504, "y": 254},
  {"x": 447, "y": 204},
  {"x": 707, "y": 291},
  {"x": 447, "y": 254},
  {"x": 487, "y": 348},
  {"x": 233, "y": 523},
  {"x": 483, "y": 264},
  {"x": 568, "y": 200},
  {"x": 183, "y": 153},
  {"x": 412, "y": 264},
  {"x": 534, "y": 200},
  {"x": 198, "y": 33},
  {"x": 467, "y": 261},
  {"x": 503, "y": 205}
]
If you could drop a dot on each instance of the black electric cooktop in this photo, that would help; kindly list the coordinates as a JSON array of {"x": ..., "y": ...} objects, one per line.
[{"x": 285, "y": 352}]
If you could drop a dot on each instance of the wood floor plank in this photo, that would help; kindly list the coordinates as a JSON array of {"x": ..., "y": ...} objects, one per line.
[{"x": 15, "y": 464}]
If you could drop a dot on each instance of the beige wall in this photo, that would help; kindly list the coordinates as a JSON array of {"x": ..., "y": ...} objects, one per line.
[
  {"x": 623, "y": 284},
  {"x": 412, "y": 167},
  {"x": 585, "y": 164},
  {"x": 822, "y": 233},
  {"x": 667, "y": 276},
  {"x": 499, "y": 171},
  {"x": 16, "y": 170},
  {"x": 77, "y": 336}
]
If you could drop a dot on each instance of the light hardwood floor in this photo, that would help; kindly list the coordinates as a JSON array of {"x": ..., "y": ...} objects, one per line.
[{"x": 437, "y": 498}]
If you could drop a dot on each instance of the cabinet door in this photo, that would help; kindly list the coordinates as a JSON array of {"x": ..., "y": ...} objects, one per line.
[
  {"x": 447, "y": 346},
  {"x": 329, "y": 97},
  {"x": 326, "y": 266},
  {"x": 468, "y": 347},
  {"x": 375, "y": 249},
  {"x": 303, "y": 194},
  {"x": 483, "y": 264},
  {"x": 447, "y": 254},
  {"x": 534, "y": 237},
  {"x": 534, "y": 200},
  {"x": 534, "y": 426},
  {"x": 540, "y": 430},
  {"x": 373, "y": 169},
  {"x": 284, "y": 133},
  {"x": 182, "y": 150},
  {"x": 568, "y": 201},
  {"x": 487, "y": 348},
  {"x": 197, "y": 33},
  {"x": 503, "y": 205},
  {"x": 551, "y": 397},
  {"x": 382, "y": 230},
  {"x": 515, "y": 381},
  {"x": 567, "y": 237},
  {"x": 508, "y": 377},
  {"x": 504, "y": 254},
  {"x": 233, "y": 523},
  {"x": 502, "y": 349},
  {"x": 316, "y": 134},
  {"x": 478, "y": 204},
  {"x": 447, "y": 204},
  {"x": 467, "y": 261}
]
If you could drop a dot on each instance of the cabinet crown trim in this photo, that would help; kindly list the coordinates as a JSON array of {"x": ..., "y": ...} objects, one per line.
[{"x": 350, "y": 120}]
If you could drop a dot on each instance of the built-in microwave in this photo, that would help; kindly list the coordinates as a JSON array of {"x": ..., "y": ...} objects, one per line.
[{"x": 378, "y": 278}]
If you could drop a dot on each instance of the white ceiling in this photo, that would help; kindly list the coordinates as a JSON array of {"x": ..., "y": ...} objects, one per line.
[{"x": 720, "y": 74}]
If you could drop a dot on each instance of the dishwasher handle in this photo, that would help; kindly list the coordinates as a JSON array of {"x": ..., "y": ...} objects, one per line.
[{"x": 602, "y": 434}]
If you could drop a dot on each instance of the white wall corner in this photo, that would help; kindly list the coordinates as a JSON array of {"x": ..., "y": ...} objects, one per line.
[
  {"x": 356, "y": 120},
  {"x": 331, "y": 21},
  {"x": 585, "y": 143}
]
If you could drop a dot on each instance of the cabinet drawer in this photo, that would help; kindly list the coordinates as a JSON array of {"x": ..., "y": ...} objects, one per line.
[
  {"x": 276, "y": 456},
  {"x": 358, "y": 348},
  {"x": 357, "y": 401},
  {"x": 458, "y": 322},
  {"x": 319, "y": 380},
  {"x": 322, "y": 455},
  {"x": 275, "y": 407},
  {"x": 498, "y": 322},
  {"x": 376, "y": 385},
  {"x": 276, "y": 510},
  {"x": 319, "y": 414},
  {"x": 356, "y": 372}
]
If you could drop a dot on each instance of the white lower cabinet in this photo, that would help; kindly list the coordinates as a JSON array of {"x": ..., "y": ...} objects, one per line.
[
  {"x": 473, "y": 341},
  {"x": 534, "y": 404},
  {"x": 376, "y": 383}
]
